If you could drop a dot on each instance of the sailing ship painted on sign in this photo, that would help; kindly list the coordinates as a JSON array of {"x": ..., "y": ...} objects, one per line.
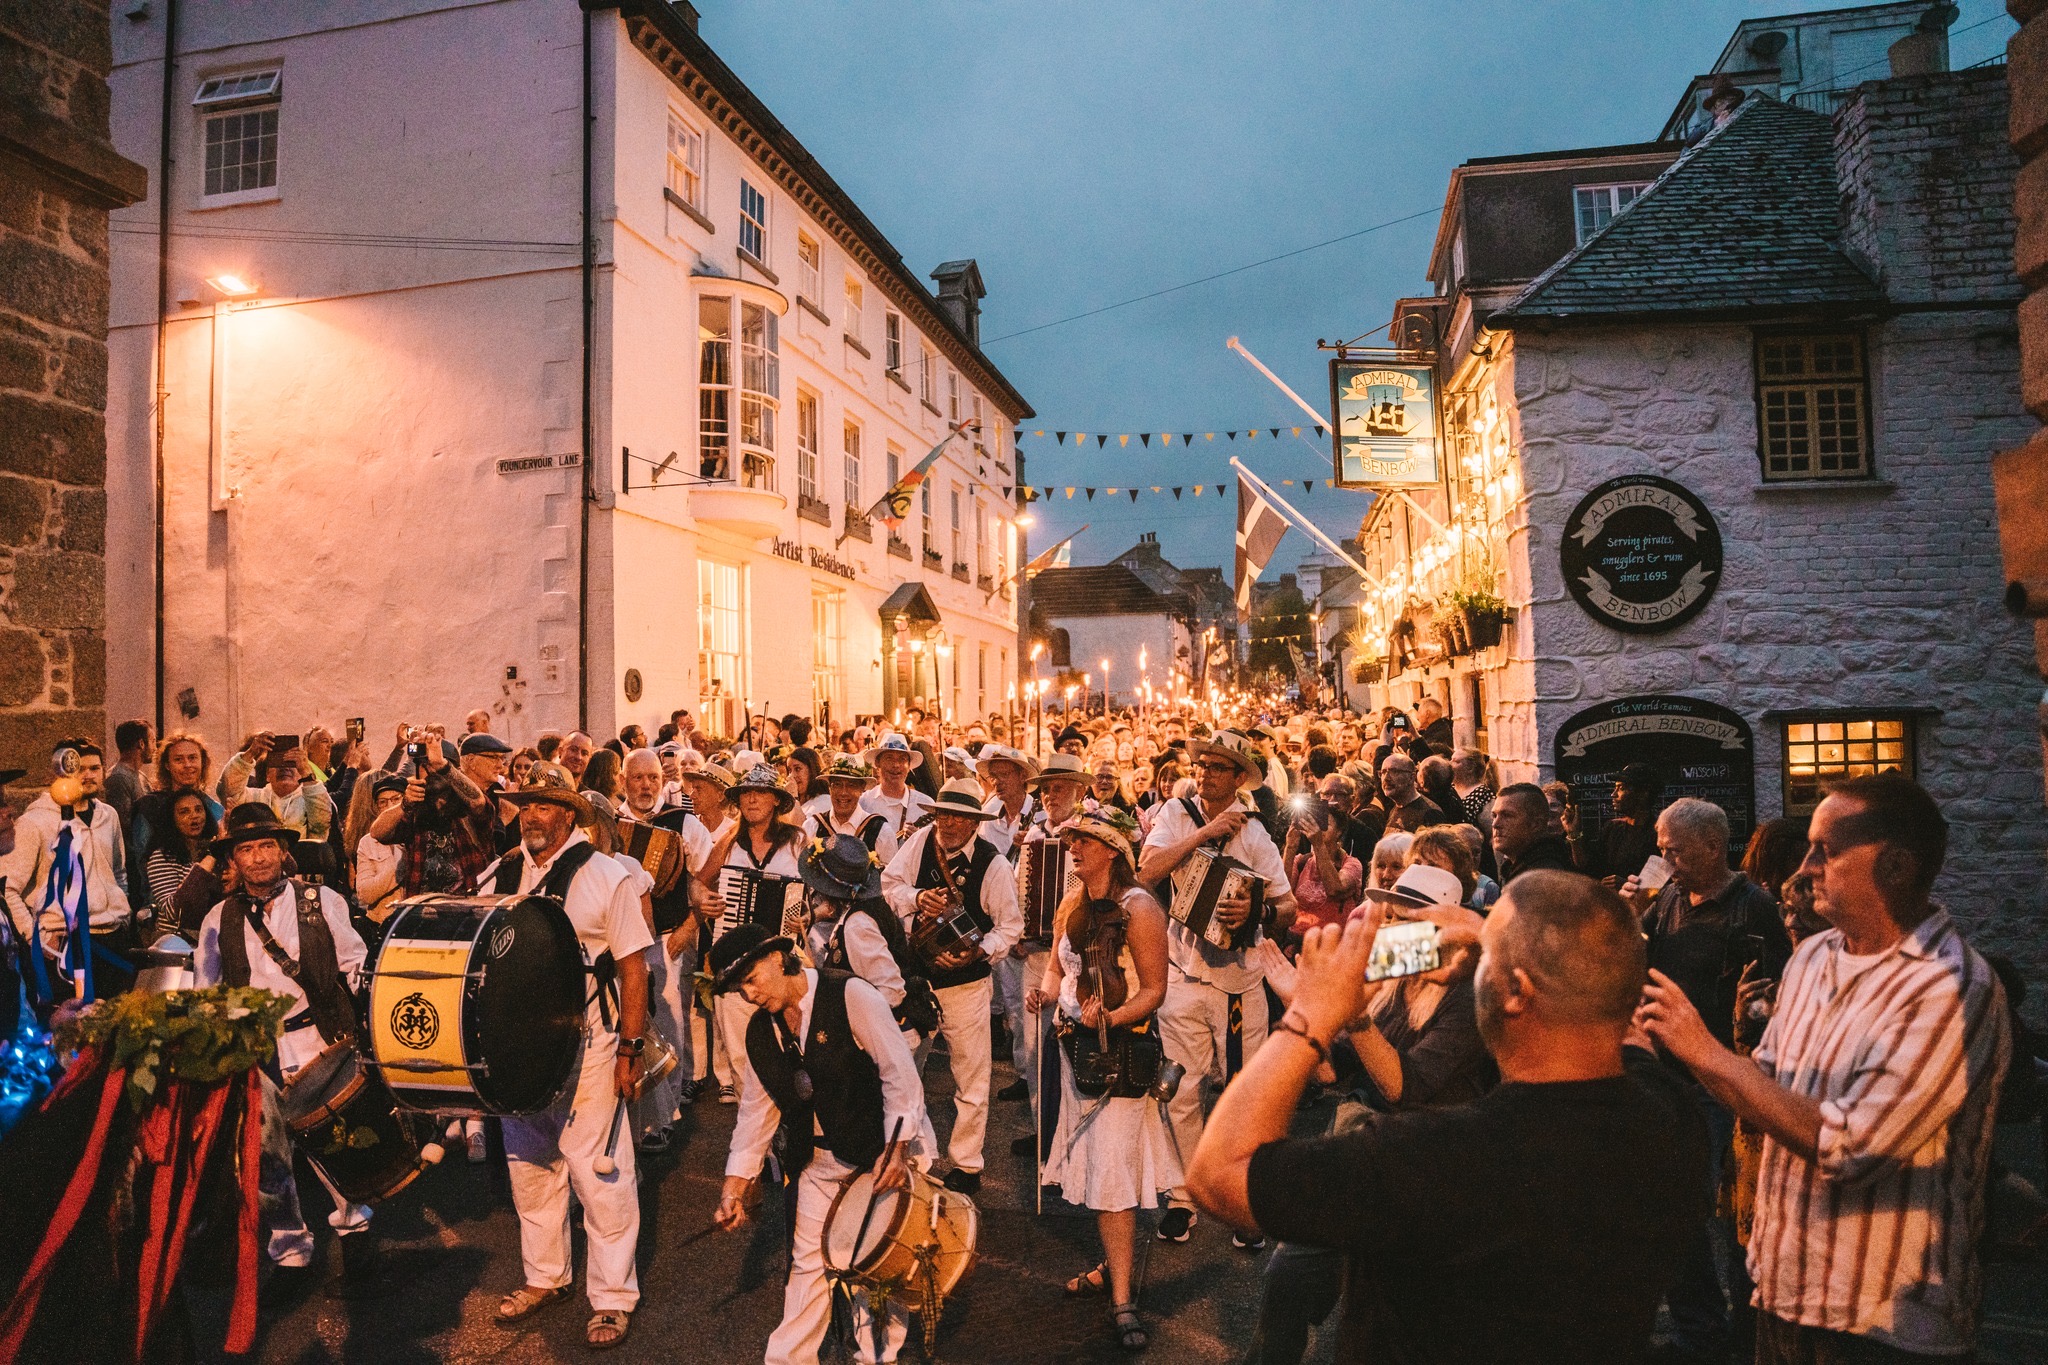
[{"x": 1386, "y": 423}]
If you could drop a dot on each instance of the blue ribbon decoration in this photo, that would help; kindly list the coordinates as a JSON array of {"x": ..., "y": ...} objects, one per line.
[{"x": 65, "y": 891}]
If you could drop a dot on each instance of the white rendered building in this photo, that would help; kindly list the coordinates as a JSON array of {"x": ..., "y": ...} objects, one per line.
[{"x": 418, "y": 452}]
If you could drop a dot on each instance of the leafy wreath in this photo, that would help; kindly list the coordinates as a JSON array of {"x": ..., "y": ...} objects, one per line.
[{"x": 202, "y": 1036}]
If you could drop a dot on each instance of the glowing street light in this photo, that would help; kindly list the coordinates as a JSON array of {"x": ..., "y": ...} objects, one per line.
[{"x": 233, "y": 285}]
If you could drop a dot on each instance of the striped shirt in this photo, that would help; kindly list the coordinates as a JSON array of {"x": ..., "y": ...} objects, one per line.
[{"x": 1904, "y": 1051}]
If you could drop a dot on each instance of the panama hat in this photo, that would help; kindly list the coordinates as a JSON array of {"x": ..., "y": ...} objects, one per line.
[
  {"x": 1421, "y": 887},
  {"x": 715, "y": 773},
  {"x": 1058, "y": 767},
  {"x": 762, "y": 778},
  {"x": 551, "y": 782},
  {"x": 1000, "y": 753},
  {"x": 893, "y": 744},
  {"x": 1231, "y": 745},
  {"x": 961, "y": 796}
]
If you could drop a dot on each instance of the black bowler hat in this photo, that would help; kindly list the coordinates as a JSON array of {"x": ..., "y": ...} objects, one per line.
[
  {"x": 738, "y": 949},
  {"x": 253, "y": 820}
]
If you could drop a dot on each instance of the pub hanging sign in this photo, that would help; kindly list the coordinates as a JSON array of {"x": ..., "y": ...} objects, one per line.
[
  {"x": 1386, "y": 434},
  {"x": 1641, "y": 554}
]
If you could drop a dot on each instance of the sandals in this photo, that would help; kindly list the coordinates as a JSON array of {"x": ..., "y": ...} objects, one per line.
[
  {"x": 1089, "y": 1283},
  {"x": 614, "y": 1323},
  {"x": 525, "y": 1301},
  {"x": 1130, "y": 1332}
]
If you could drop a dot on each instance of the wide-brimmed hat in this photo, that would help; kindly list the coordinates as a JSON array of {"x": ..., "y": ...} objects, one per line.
[
  {"x": 961, "y": 796},
  {"x": 1234, "y": 746},
  {"x": 1110, "y": 826},
  {"x": 849, "y": 768},
  {"x": 1421, "y": 886},
  {"x": 1058, "y": 766},
  {"x": 957, "y": 753},
  {"x": 252, "y": 820},
  {"x": 1071, "y": 732},
  {"x": 894, "y": 744},
  {"x": 738, "y": 949},
  {"x": 1002, "y": 753},
  {"x": 840, "y": 866},
  {"x": 762, "y": 778},
  {"x": 551, "y": 782},
  {"x": 709, "y": 772}
]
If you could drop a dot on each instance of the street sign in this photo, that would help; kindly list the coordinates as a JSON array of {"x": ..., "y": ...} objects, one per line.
[
  {"x": 1386, "y": 434},
  {"x": 1641, "y": 554}
]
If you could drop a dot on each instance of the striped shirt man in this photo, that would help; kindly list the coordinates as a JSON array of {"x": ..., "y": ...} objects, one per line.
[{"x": 1903, "y": 1051}]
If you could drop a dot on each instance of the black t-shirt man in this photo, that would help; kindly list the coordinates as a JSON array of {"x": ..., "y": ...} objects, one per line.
[{"x": 1540, "y": 1223}]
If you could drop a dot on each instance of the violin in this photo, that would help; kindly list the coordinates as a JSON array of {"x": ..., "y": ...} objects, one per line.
[{"x": 1102, "y": 974}]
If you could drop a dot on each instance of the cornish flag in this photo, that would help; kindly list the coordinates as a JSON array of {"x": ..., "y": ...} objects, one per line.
[{"x": 1259, "y": 529}]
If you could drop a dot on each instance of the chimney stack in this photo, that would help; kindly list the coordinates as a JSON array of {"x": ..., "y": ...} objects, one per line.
[{"x": 960, "y": 296}]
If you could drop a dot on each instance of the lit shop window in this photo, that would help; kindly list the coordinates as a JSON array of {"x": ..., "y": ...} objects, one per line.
[
  {"x": 1828, "y": 749},
  {"x": 241, "y": 135},
  {"x": 1812, "y": 396},
  {"x": 721, "y": 657},
  {"x": 756, "y": 394},
  {"x": 828, "y": 652},
  {"x": 1595, "y": 205}
]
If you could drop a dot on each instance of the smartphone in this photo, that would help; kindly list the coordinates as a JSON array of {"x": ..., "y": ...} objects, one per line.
[
  {"x": 354, "y": 726},
  {"x": 284, "y": 744},
  {"x": 1404, "y": 949}
]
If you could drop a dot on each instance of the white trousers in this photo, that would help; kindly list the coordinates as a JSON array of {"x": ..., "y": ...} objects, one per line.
[
  {"x": 1194, "y": 1028},
  {"x": 730, "y": 1013},
  {"x": 807, "y": 1302},
  {"x": 671, "y": 995},
  {"x": 549, "y": 1155},
  {"x": 963, "y": 1023},
  {"x": 1013, "y": 976}
]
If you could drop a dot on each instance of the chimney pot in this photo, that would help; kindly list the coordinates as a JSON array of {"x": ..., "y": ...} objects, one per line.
[{"x": 960, "y": 296}]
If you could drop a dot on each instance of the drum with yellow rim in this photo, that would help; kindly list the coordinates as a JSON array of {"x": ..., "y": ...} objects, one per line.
[
  {"x": 476, "y": 1004},
  {"x": 913, "y": 1240}
]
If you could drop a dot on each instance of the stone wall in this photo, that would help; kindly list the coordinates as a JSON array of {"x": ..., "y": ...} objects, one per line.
[
  {"x": 58, "y": 177},
  {"x": 2022, "y": 474}
]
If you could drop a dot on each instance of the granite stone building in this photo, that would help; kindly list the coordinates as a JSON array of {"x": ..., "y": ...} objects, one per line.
[
  {"x": 1723, "y": 469},
  {"x": 59, "y": 176}
]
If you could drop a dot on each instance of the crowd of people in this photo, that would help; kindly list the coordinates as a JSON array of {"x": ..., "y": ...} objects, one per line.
[{"x": 1616, "y": 1065}]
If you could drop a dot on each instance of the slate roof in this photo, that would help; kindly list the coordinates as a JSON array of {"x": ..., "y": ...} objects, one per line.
[
  {"x": 1748, "y": 220},
  {"x": 1101, "y": 590}
]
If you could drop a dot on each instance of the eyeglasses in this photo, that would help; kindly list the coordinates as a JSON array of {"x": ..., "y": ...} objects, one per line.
[{"x": 1216, "y": 767}]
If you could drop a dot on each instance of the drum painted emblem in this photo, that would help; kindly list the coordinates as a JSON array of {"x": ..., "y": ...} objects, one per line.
[
  {"x": 415, "y": 1022},
  {"x": 501, "y": 940}
]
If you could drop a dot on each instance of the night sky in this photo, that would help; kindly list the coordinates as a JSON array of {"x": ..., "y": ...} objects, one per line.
[{"x": 1090, "y": 153}]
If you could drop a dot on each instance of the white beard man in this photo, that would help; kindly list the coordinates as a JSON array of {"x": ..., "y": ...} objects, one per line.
[
  {"x": 552, "y": 1153},
  {"x": 1215, "y": 997}
]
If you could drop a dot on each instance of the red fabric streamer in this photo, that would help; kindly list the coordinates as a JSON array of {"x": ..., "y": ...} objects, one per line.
[
  {"x": 178, "y": 1145},
  {"x": 21, "y": 1310},
  {"x": 242, "y": 1317}
]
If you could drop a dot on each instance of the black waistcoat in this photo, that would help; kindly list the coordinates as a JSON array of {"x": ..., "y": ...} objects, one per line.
[
  {"x": 846, "y": 1085},
  {"x": 928, "y": 876}
]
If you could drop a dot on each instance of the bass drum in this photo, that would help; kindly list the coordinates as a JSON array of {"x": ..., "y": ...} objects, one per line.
[{"x": 476, "y": 1004}]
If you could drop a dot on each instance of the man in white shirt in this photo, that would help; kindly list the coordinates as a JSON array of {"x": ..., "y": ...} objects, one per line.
[
  {"x": 974, "y": 884},
  {"x": 830, "y": 1070},
  {"x": 553, "y": 1152},
  {"x": 892, "y": 796},
  {"x": 1214, "y": 1017},
  {"x": 280, "y": 935},
  {"x": 1006, "y": 772},
  {"x": 846, "y": 782},
  {"x": 78, "y": 846}
]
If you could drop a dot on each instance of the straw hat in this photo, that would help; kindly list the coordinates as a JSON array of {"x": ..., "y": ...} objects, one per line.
[
  {"x": 762, "y": 778},
  {"x": 963, "y": 797},
  {"x": 551, "y": 782},
  {"x": 1060, "y": 767},
  {"x": 1234, "y": 746}
]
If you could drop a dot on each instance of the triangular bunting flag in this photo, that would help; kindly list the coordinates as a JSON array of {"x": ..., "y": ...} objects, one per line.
[
  {"x": 1060, "y": 437},
  {"x": 1155, "y": 488},
  {"x": 1145, "y": 439},
  {"x": 1208, "y": 435},
  {"x": 1134, "y": 494},
  {"x": 1252, "y": 435},
  {"x": 1231, "y": 434},
  {"x": 1070, "y": 495},
  {"x": 1124, "y": 440},
  {"x": 1101, "y": 441},
  {"x": 1091, "y": 494},
  {"x": 1295, "y": 430},
  {"x": 1319, "y": 431},
  {"x": 1187, "y": 438},
  {"x": 1275, "y": 431},
  {"x": 1176, "y": 495},
  {"x": 1287, "y": 483},
  {"x": 1198, "y": 490},
  {"x": 1219, "y": 490},
  {"x": 1111, "y": 492}
]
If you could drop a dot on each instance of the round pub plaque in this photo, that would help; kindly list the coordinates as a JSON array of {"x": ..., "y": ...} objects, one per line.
[{"x": 1641, "y": 554}]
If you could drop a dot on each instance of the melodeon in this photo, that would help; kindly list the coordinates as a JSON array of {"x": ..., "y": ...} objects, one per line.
[
  {"x": 656, "y": 849},
  {"x": 751, "y": 897},
  {"x": 934, "y": 936},
  {"x": 1045, "y": 876},
  {"x": 1204, "y": 878}
]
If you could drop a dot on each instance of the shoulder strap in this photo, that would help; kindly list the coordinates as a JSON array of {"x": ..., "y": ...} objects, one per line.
[
  {"x": 567, "y": 865},
  {"x": 871, "y": 830}
]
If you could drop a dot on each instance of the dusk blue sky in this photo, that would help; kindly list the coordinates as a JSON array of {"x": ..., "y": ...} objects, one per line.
[{"x": 1089, "y": 153}]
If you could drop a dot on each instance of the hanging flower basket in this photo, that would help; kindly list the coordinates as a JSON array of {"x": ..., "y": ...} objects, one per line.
[{"x": 1368, "y": 671}]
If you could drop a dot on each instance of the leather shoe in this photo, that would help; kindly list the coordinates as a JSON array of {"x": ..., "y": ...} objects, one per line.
[
  {"x": 1014, "y": 1091},
  {"x": 963, "y": 1182}
]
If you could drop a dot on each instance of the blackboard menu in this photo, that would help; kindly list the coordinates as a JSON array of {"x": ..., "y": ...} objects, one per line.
[
  {"x": 1697, "y": 749},
  {"x": 1641, "y": 554}
]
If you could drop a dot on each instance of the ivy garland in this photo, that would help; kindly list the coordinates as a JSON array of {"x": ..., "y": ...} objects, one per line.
[{"x": 202, "y": 1036}]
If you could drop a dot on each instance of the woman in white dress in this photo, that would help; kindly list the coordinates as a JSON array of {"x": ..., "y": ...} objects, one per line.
[{"x": 1111, "y": 1152}]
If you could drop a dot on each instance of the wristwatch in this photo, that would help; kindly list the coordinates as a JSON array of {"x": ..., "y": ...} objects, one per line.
[{"x": 632, "y": 1047}]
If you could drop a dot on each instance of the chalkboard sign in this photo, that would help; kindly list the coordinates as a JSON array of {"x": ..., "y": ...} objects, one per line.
[
  {"x": 1697, "y": 749},
  {"x": 1641, "y": 554}
]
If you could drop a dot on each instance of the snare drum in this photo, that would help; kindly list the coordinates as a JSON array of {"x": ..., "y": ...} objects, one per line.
[
  {"x": 925, "y": 1221},
  {"x": 346, "y": 1123},
  {"x": 476, "y": 1004}
]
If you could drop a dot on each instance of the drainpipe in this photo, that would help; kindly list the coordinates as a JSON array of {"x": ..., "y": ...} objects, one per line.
[
  {"x": 163, "y": 309},
  {"x": 589, "y": 310}
]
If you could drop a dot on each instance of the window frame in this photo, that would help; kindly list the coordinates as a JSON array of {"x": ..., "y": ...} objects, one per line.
[
  {"x": 1812, "y": 385},
  {"x": 230, "y": 98},
  {"x": 1611, "y": 189},
  {"x": 810, "y": 274},
  {"x": 691, "y": 162},
  {"x": 855, "y": 295},
  {"x": 851, "y": 471},
  {"x": 1905, "y": 717},
  {"x": 752, "y": 226},
  {"x": 809, "y": 426},
  {"x": 751, "y": 385},
  {"x": 892, "y": 342},
  {"x": 927, "y": 385}
]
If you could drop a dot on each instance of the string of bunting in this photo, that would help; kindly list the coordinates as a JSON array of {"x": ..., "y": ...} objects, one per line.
[
  {"x": 1046, "y": 492},
  {"x": 1166, "y": 438}
]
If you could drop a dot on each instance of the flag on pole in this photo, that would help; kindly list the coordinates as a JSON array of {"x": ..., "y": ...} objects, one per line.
[
  {"x": 1058, "y": 556},
  {"x": 894, "y": 506},
  {"x": 1259, "y": 529}
]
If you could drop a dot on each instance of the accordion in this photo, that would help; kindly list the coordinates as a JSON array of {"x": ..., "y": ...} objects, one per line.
[
  {"x": 775, "y": 903},
  {"x": 656, "y": 849},
  {"x": 1208, "y": 875},
  {"x": 1045, "y": 874},
  {"x": 933, "y": 936}
]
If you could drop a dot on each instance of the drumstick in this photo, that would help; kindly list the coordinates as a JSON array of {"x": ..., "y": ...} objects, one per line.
[
  {"x": 604, "y": 1165},
  {"x": 875, "y": 1190}
]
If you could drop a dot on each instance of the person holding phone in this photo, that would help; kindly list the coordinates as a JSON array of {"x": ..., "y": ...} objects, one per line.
[
  {"x": 1327, "y": 880},
  {"x": 290, "y": 789}
]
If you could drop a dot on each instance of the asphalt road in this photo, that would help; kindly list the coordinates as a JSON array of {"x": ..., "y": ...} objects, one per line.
[{"x": 452, "y": 1248}]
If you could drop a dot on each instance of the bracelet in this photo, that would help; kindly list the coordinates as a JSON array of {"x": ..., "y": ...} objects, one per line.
[{"x": 1288, "y": 1024}]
